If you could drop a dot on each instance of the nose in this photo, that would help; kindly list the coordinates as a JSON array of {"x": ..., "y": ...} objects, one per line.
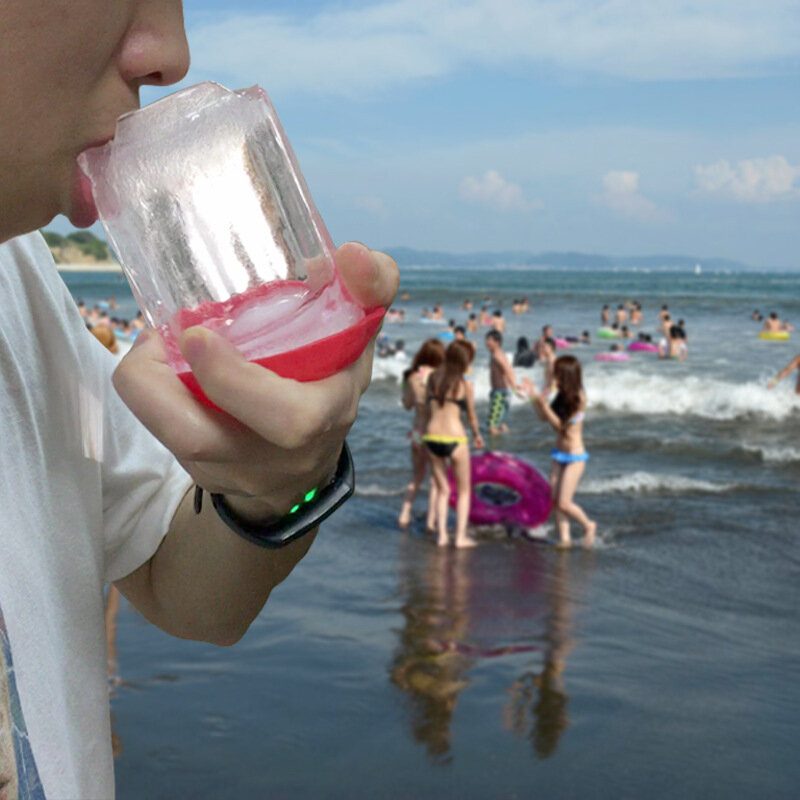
[{"x": 155, "y": 51}]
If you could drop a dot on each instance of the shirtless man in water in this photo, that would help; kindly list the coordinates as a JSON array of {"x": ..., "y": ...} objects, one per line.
[{"x": 503, "y": 381}]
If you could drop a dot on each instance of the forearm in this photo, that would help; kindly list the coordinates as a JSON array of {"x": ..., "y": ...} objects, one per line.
[{"x": 205, "y": 582}]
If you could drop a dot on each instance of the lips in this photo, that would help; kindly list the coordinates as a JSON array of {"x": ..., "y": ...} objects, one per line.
[{"x": 83, "y": 211}]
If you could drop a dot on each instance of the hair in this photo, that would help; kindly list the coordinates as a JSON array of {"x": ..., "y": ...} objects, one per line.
[
  {"x": 523, "y": 344},
  {"x": 495, "y": 336},
  {"x": 451, "y": 373},
  {"x": 473, "y": 316},
  {"x": 675, "y": 332},
  {"x": 430, "y": 354},
  {"x": 497, "y": 313},
  {"x": 773, "y": 315},
  {"x": 545, "y": 327},
  {"x": 569, "y": 378},
  {"x": 468, "y": 346},
  {"x": 460, "y": 329}
]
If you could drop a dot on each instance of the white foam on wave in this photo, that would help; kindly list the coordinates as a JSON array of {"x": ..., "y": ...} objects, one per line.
[
  {"x": 635, "y": 391},
  {"x": 650, "y": 483},
  {"x": 628, "y": 390},
  {"x": 373, "y": 490},
  {"x": 774, "y": 453}
]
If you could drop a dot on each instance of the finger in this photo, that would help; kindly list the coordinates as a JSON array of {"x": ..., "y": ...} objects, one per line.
[
  {"x": 285, "y": 412},
  {"x": 370, "y": 276},
  {"x": 149, "y": 387}
]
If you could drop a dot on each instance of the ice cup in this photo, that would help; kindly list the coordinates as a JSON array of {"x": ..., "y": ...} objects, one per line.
[{"x": 202, "y": 199}]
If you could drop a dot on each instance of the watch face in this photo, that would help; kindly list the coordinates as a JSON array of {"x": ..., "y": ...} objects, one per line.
[{"x": 319, "y": 506}]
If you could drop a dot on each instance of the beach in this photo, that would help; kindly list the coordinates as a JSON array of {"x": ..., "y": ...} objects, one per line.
[{"x": 661, "y": 664}]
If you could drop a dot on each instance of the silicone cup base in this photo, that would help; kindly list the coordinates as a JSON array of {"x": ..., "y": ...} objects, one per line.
[{"x": 314, "y": 361}]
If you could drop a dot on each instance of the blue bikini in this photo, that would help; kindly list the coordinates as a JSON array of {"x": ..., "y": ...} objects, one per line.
[{"x": 560, "y": 457}]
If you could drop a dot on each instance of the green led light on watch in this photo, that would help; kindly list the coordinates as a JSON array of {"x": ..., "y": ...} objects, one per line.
[
  {"x": 310, "y": 495},
  {"x": 295, "y": 509}
]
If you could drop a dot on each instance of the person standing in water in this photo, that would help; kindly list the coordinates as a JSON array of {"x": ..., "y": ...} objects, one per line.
[
  {"x": 428, "y": 358},
  {"x": 503, "y": 381},
  {"x": 793, "y": 365},
  {"x": 448, "y": 395},
  {"x": 565, "y": 415}
]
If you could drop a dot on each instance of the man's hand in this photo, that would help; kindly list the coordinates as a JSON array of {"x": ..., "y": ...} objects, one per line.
[
  {"x": 278, "y": 439},
  {"x": 281, "y": 437}
]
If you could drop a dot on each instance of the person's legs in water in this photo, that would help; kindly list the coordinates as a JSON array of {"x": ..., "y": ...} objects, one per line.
[
  {"x": 498, "y": 408},
  {"x": 562, "y": 521},
  {"x": 433, "y": 501},
  {"x": 461, "y": 468},
  {"x": 419, "y": 466},
  {"x": 571, "y": 475},
  {"x": 439, "y": 471}
]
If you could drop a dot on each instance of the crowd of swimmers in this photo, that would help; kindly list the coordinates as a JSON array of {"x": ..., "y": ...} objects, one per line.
[
  {"x": 439, "y": 390},
  {"x": 107, "y": 326}
]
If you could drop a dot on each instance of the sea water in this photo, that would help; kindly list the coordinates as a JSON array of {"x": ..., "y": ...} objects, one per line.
[{"x": 664, "y": 664}]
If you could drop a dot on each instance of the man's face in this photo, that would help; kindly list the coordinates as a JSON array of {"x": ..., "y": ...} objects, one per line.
[{"x": 69, "y": 69}]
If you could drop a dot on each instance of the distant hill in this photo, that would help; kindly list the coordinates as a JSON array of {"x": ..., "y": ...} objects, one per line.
[
  {"x": 79, "y": 247},
  {"x": 407, "y": 257}
]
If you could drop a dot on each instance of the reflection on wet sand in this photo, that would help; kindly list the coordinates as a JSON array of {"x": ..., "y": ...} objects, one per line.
[
  {"x": 426, "y": 666},
  {"x": 464, "y": 607},
  {"x": 538, "y": 704}
]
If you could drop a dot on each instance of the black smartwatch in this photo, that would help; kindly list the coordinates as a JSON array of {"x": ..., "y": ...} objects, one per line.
[{"x": 316, "y": 506}]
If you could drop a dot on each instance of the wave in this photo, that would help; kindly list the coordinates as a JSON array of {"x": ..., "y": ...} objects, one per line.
[
  {"x": 650, "y": 483},
  {"x": 773, "y": 454},
  {"x": 709, "y": 398},
  {"x": 373, "y": 490},
  {"x": 633, "y": 391}
]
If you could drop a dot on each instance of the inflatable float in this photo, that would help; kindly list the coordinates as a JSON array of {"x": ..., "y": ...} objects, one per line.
[
  {"x": 607, "y": 333},
  {"x": 562, "y": 344},
  {"x": 642, "y": 347},
  {"x": 615, "y": 356},
  {"x": 775, "y": 336},
  {"x": 506, "y": 490}
]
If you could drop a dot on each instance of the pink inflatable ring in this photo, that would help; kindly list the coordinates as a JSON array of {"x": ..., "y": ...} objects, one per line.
[
  {"x": 506, "y": 489},
  {"x": 642, "y": 347},
  {"x": 615, "y": 356}
]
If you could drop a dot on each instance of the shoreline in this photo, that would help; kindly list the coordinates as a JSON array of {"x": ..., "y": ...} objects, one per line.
[{"x": 101, "y": 266}]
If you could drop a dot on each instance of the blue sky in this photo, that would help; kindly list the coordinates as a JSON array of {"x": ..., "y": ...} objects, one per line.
[{"x": 613, "y": 126}]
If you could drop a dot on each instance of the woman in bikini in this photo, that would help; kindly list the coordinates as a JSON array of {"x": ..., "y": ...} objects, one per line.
[
  {"x": 428, "y": 358},
  {"x": 565, "y": 414},
  {"x": 449, "y": 394}
]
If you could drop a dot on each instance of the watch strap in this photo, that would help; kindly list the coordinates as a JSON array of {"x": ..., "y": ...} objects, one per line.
[{"x": 300, "y": 520}]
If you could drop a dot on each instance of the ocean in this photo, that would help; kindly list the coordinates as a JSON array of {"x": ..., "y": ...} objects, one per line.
[{"x": 665, "y": 663}]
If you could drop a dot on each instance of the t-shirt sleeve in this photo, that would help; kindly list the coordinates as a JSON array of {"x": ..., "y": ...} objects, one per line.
[
  {"x": 142, "y": 485},
  {"x": 142, "y": 482}
]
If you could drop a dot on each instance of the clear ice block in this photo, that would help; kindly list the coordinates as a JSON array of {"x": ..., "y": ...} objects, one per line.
[{"x": 204, "y": 203}]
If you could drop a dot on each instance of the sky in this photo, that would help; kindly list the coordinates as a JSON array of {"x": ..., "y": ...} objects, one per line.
[{"x": 604, "y": 126}]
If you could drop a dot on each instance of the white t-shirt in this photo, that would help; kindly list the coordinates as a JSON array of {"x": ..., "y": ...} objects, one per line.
[{"x": 86, "y": 495}]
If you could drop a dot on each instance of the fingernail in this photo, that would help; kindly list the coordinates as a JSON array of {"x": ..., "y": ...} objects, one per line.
[{"x": 193, "y": 343}]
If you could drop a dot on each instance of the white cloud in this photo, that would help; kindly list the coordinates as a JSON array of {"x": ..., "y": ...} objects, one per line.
[
  {"x": 371, "y": 204},
  {"x": 621, "y": 194},
  {"x": 492, "y": 189},
  {"x": 348, "y": 50},
  {"x": 756, "y": 180}
]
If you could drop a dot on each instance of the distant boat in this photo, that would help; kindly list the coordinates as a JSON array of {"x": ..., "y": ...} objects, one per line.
[{"x": 698, "y": 270}]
